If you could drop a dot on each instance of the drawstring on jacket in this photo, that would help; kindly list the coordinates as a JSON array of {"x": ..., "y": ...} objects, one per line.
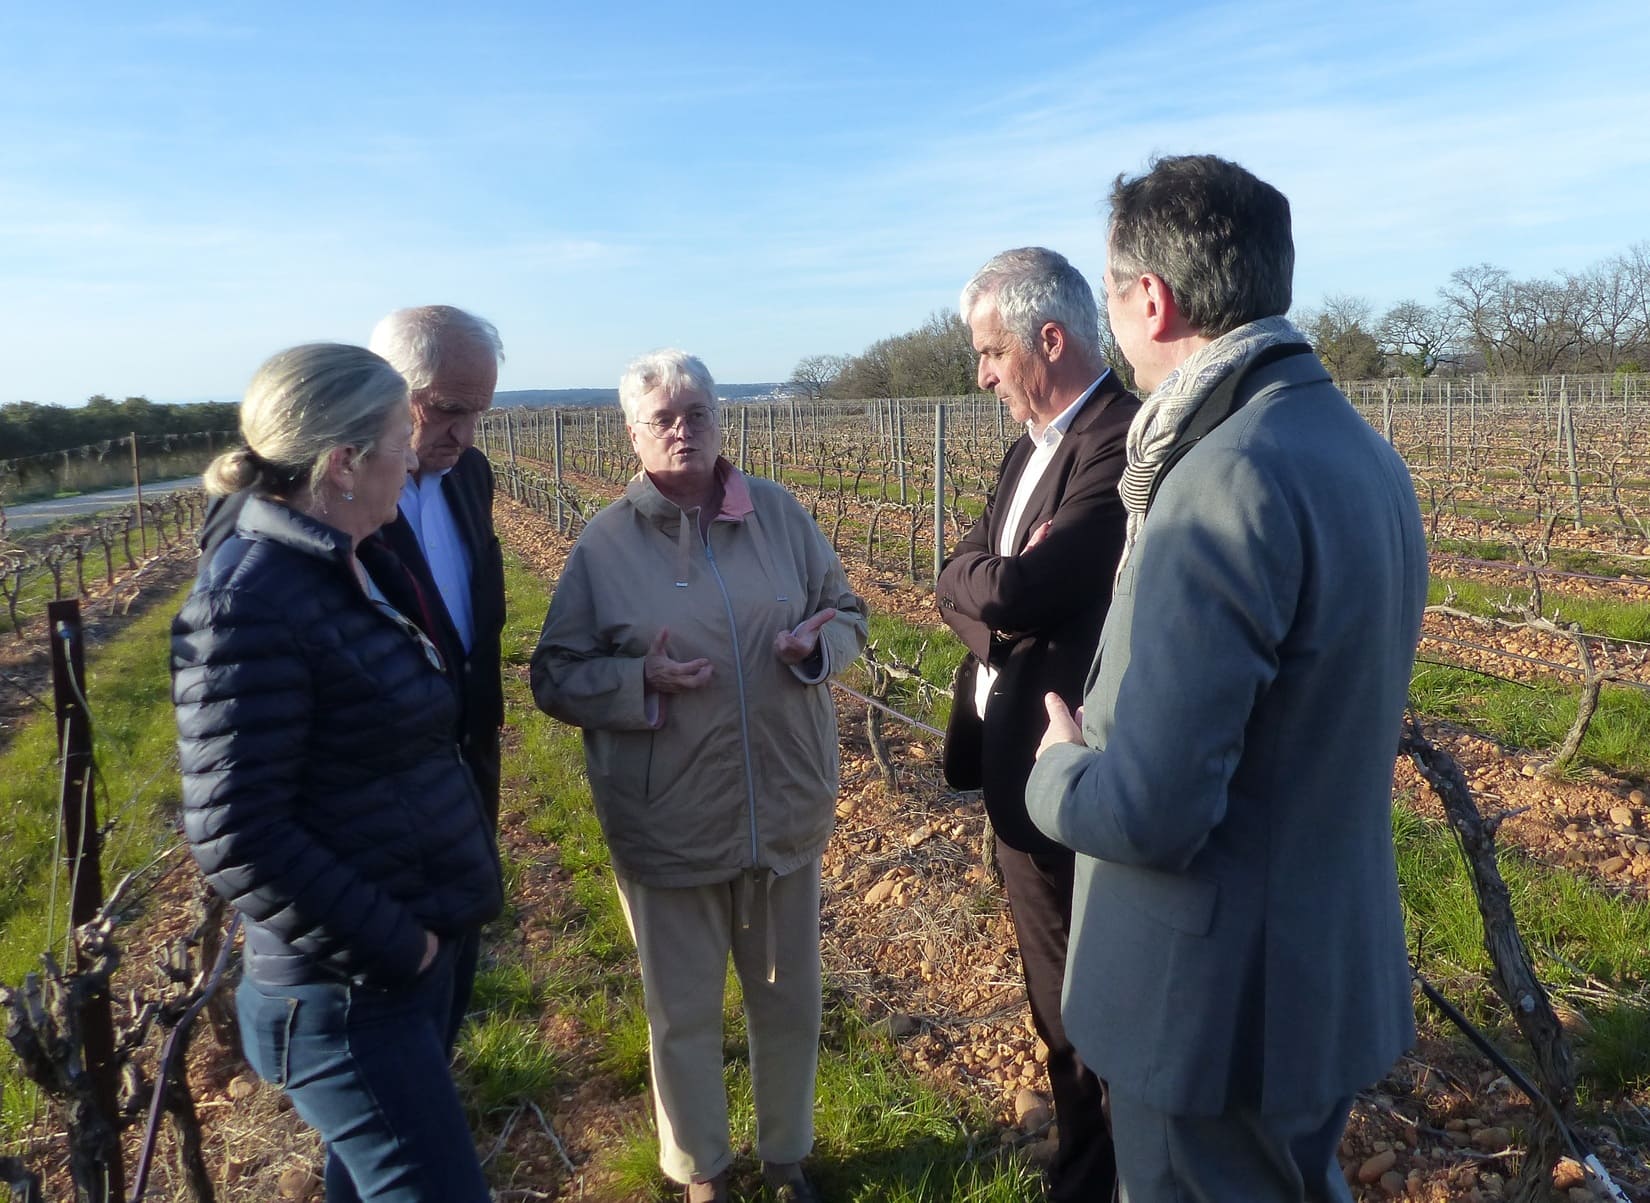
[
  {"x": 749, "y": 882},
  {"x": 684, "y": 547}
]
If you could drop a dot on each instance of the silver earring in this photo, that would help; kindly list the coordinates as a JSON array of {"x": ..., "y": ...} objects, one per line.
[{"x": 349, "y": 496}]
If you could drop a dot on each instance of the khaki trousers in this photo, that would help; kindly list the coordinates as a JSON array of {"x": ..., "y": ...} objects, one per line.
[{"x": 683, "y": 937}]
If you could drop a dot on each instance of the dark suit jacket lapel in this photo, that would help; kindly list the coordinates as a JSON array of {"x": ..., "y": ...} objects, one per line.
[
  {"x": 1051, "y": 485},
  {"x": 1013, "y": 466}
]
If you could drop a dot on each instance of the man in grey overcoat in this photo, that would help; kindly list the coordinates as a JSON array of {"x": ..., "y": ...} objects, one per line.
[{"x": 1237, "y": 969}]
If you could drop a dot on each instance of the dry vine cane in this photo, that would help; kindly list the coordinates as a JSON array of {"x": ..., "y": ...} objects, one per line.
[
  {"x": 1511, "y": 972},
  {"x": 43, "y": 1028}
]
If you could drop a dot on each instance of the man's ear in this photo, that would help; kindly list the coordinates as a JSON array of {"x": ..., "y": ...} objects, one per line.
[
  {"x": 1162, "y": 313},
  {"x": 1051, "y": 341}
]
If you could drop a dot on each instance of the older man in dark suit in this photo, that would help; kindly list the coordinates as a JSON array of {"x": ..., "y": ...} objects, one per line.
[
  {"x": 1026, "y": 590},
  {"x": 1238, "y": 967},
  {"x": 450, "y": 577},
  {"x": 443, "y": 531}
]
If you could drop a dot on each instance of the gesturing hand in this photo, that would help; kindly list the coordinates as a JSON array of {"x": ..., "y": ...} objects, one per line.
[
  {"x": 664, "y": 675},
  {"x": 1063, "y": 726},
  {"x": 793, "y": 647}
]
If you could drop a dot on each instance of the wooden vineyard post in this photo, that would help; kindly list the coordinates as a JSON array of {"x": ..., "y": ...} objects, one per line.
[
  {"x": 1449, "y": 429},
  {"x": 137, "y": 499},
  {"x": 1567, "y": 423},
  {"x": 939, "y": 489},
  {"x": 744, "y": 438},
  {"x": 81, "y": 838},
  {"x": 558, "y": 452},
  {"x": 899, "y": 446},
  {"x": 510, "y": 454}
]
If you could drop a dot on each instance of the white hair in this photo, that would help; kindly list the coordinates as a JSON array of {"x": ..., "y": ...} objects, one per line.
[
  {"x": 675, "y": 371},
  {"x": 1031, "y": 285},
  {"x": 415, "y": 340}
]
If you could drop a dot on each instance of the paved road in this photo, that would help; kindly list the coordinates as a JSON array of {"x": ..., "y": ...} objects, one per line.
[{"x": 40, "y": 513}]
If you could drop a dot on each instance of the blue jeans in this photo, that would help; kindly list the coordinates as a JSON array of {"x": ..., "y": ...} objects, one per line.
[{"x": 367, "y": 1069}]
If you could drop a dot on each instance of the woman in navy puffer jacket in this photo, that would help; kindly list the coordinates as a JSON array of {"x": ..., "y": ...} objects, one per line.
[{"x": 324, "y": 795}]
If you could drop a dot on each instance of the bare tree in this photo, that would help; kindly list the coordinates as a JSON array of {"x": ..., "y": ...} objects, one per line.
[
  {"x": 1418, "y": 339},
  {"x": 1340, "y": 333},
  {"x": 1636, "y": 263},
  {"x": 814, "y": 375},
  {"x": 1474, "y": 297},
  {"x": 1612, "y": 308},
  {"x": 1520, "y": 327}
]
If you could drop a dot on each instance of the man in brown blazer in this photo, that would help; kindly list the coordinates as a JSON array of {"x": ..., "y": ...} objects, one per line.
[{"x": 1026, "y": 590}]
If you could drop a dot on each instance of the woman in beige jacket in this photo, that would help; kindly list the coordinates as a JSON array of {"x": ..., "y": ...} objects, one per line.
[{"x": 693, "y": 632}]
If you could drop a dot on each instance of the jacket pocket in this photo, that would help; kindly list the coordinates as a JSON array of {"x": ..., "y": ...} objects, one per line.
[
  {"x": 266, "y": 1033},
  {"x": 1175, "y": 900},
  {"x": 621, "y": 766}
]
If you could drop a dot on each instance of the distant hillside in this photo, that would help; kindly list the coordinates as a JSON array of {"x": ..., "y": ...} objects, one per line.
[{"x": 567, "y": 398}]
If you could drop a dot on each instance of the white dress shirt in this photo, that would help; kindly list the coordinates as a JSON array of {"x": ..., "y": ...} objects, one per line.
[
  {"x": 431, "y": 519},
  {"x": 1044, "y": 444}
]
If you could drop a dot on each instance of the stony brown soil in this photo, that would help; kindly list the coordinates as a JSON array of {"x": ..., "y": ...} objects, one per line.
[{"x": 917, "y": 936}]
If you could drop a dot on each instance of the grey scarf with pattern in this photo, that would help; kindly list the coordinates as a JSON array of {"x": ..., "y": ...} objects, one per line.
[{"x": 1163, "y": 415}]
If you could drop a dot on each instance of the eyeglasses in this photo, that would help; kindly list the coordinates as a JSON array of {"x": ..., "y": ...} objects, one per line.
[{"x": 695, "y": 421}]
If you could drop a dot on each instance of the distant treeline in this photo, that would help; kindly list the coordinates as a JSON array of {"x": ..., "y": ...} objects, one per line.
[
  {"x": 569, "y": 398},
  {"x": 28, "y": 429},
  {"x": 1484, "y": 321}
]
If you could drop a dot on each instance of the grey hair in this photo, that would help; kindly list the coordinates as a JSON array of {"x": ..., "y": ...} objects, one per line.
[
  {"x": 1218, "y": 236},
  {"x": 303, "y": 403},
  {"x": 414, "y": 340},
  {"x": 674, "y": 371},
  {"x": 1031, "y": 286}
]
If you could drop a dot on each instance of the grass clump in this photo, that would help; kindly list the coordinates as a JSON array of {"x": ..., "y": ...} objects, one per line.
[
  {"x": 1538, "y": 714},
  {"x": 1595, "y": 615},
  {"x": 1580, "y": 936},
  {"x": 882, "y": 1134}
]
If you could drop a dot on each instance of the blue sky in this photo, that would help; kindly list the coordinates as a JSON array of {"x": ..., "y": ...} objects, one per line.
[{"x": 186, "y": 189}]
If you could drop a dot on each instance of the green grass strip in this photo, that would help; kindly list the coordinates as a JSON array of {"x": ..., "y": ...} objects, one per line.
[
  {"x": 1578, "y": 933},
  {"x": 1596, "y": 615},
  {"x": 1559, "y": 559},
  {"x": 1539, "y": 714}
]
